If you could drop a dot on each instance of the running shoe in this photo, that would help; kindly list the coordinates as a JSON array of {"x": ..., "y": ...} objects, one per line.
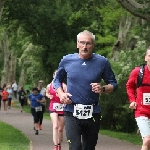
[
  {"x": 40, "y": 127},
  {"x": 36, "y": 132}
]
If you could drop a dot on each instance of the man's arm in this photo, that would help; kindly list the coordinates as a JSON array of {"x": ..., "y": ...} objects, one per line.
[
  {"x": 109, "y": 78},
  {"x": 57, "y": 83},
  {"x": 131, "y": 88}
]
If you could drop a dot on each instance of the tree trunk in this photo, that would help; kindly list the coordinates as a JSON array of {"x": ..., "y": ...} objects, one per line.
[
  {"x": 6, "y": 53},
  {"x": 22, "y": 78},
  {"x": 12, "y": 67},
  {"x": 9, "y": 69},
  {"x": 125, "y": 39}
]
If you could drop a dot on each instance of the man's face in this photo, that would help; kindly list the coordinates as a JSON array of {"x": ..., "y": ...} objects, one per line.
[
  {"x": 147, "y": 57},
  {"x": 40, "y": 84},
  {"x": 85, "y": 45},
  {"x": 35, "y": 92}
]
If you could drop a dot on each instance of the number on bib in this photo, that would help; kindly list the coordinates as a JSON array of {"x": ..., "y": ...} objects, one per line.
[
  {"x": 39, "y": 108},
  {"x": 83, "y": 111},
  {"x": 146, "y": 98},
  {"x": 58, "y": 107}
]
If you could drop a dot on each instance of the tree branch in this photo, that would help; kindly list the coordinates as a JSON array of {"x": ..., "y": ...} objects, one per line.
[{"x": 135, "y": 8}]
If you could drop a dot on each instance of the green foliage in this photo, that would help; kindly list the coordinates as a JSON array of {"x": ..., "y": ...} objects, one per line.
[
  {"x": 125, "y": 63},
  {"x": 116, "y": 114},
  {"x": 43, "y": 32}
]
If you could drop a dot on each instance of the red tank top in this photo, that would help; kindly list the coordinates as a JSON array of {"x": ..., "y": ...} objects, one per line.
[
  {"x": 5, "y": 95},
  {"x": 54, "y": 100}
]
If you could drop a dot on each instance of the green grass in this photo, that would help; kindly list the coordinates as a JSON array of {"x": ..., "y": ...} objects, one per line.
[
  {"x": 12, "y": 139},
  {"x": 133, "y": 138}
]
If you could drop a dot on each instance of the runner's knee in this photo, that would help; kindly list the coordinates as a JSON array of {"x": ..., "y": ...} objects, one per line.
[
  {"x": 146, "y": 141},
  {"x": 60, "y": 129},
  {"x": 55, "y": 126}
]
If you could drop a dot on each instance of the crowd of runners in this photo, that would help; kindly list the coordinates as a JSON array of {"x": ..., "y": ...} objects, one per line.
[{"x": 75, "y": 105}]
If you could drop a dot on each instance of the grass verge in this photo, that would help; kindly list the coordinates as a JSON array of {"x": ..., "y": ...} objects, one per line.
[
  {"x": 12, "y": 139},
  {"x": 132, "y": 138}
]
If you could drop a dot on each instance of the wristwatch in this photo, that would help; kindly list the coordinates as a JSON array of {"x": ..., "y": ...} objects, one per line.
[{"x": 103, "y": 89}]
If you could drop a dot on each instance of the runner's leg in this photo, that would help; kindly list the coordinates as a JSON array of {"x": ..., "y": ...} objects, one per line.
[
  {"x": 54, "y": 117},
  {"x": 73, "y": 132},
  {"x": 143, "y": 124},
  {"x": 90, "y": 132},
  {"x": 60, "y": 128}
]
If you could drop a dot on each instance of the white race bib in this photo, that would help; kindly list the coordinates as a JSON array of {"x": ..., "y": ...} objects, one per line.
[
  {"x": 83, "y": 111},
  {"x": 58, "y": 106},
  {"x": 146, "y": 98},
  {"x": 39, "y": 108}
]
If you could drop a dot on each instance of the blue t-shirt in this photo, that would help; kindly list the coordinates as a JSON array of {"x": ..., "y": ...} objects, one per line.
[
  {"x": 10, "y": 93},
  {"x": 33, "y": 99},
  {"x": 80, "y": 74}
]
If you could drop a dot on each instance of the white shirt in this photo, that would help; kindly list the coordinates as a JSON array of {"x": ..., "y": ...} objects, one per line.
[{"x": 15, "y": 87}]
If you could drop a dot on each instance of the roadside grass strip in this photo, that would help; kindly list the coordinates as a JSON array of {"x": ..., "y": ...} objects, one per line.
[
  {"x": 12, "y": 139},
  {"x": 132, "y": 138}
]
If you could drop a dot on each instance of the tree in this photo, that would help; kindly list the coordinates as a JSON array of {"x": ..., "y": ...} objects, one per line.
[
  {"x": 1, "y": 7},
  {"x": 139, "y": 9}
]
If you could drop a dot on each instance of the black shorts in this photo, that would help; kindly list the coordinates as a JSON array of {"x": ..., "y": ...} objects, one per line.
[
  {"x": 55, "y": 112},
  {"x": 5, "y": 100}
]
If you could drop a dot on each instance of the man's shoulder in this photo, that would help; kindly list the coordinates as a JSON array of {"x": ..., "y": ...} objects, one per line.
[
  {"x": 135, "y": 71},
  {"x": 99, "y": 57},
  {"x": 70, "y": 56}
]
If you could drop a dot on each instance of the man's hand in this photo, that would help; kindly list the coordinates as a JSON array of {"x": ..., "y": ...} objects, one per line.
[
  {"x": 96, "y": 87},
  {"x": 133, "y": 105},
  {"x": 38, "y": 101},
  {"x": 64, "y": 98}
]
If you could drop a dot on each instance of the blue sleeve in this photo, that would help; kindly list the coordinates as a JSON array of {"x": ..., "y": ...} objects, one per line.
[
  {"x": 108, "y": 76},
  {"x": 60, "y": 75}
]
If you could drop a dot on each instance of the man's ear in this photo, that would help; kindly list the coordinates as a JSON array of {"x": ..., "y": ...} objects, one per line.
[
  {"x": 77, "y": 45},
  {"x": 145, "y": 58}
]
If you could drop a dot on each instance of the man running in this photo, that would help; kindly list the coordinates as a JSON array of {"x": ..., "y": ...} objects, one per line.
[
  {"x": 84, "y": 72},
  {"x": 139, "y": 97}
]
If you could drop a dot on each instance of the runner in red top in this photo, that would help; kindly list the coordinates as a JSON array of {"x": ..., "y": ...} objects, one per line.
[
  {"x": 5, "y": 99},
  {"x": 140, "y": 100},
  {"x": 55, "y": 104},
  {"x": 56, "y": 114}
]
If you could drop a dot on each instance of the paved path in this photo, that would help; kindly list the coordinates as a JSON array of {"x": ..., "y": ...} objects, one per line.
[{"x": 43, "y": 141}]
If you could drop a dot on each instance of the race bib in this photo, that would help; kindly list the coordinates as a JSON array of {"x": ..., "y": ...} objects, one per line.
[
  {"x": 39, "y": 108},
  {"x": 83, "y": 111},
  {"x": 58, "y": 107},
  {"x": 146, "y": 98}
]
